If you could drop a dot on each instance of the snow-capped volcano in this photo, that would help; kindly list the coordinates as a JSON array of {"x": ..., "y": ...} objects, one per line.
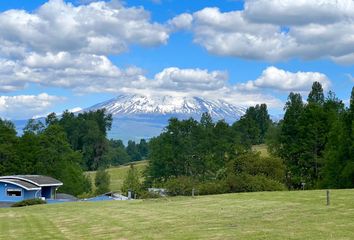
[
  {"x": 138, "y": 116},
  {"x": 125, "y": 105}
]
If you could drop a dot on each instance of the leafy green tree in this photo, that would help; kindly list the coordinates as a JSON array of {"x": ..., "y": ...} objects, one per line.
[
  {"x": 131, "y": 181},
  {"x": 338, "y": 171},
  {"x": 8, "y": 143},
  {"x": 57, "y": 159},
  {"x": 316, "y": 95},
  {"x": 254, "y": 125},
  {"x": 116, "y": 154},
  {"x": 87, "y": 132},
  {"x": 143, "y": 148},
  {"x": 290, "y": 139},
  {"x": 35, "y": 126},
  {"x": 133, "y": 151},
  {"x": 102, "y": 181},
  {"x": 51, "y": 119}
]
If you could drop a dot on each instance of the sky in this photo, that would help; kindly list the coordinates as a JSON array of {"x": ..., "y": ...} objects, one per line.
[{"x": 57, "y": 55}]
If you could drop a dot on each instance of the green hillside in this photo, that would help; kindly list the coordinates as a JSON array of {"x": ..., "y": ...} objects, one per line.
[
  {"x": 262, "y": 149},
  {"x": 262, "y": 215},
  {"x": 118, "y": 174}
]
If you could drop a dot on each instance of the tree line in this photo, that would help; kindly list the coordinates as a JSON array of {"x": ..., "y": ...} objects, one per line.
[
  {"x": 316, "y": 140},
  {"x": 311, "y": 147},
  {"x": 65, "y": 147}
]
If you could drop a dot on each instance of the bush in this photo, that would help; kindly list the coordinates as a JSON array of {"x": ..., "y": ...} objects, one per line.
[
  {"x": 102, "y": 181},
  {"x": 180, "y": 186},
  {"x": 132, "y": 181},
  {"x": 253, "y": 164},
  {"x": 147, "y": 194},
  {"x": 29, "y": 202},
  {"x": 212, "y": 187},
  {"x": 249, "y": 183}
]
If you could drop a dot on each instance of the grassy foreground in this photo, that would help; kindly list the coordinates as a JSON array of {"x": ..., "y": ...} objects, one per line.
[
  {"x": 264, "y": 215},
  {"x": 118, "y": 174}
]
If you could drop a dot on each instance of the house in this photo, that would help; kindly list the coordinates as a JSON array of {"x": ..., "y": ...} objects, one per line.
[{"x": 21, "y": 187}]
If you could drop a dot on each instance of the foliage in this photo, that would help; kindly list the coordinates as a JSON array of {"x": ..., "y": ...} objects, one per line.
[
  {"x": 212, "y": 187},
  {"x": 252, "y": 183},
  {"x": 44, "y": 152},
  {"x": 190, "y": 148},
  {"x": 338, "y": 171},
  {"x": 253, "y": 164},
  {"x": 29, "y": 202},
  {"x": 132, "y": 181},
  {"x": 86, "y": 133},
  {"x": 254, "y": 125},
  {"x": 181, "y": 185},
  {"x": 314, "y": 141},
  {"x": 102, "y": 181},
  {"x": 116, "y": 154}
]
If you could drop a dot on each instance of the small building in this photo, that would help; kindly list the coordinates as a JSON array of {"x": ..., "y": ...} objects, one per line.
[{"x": 21, "y": 187}]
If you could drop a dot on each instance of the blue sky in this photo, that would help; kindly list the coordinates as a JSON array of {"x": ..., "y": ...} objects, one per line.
[{"x": 57, "y": 55}]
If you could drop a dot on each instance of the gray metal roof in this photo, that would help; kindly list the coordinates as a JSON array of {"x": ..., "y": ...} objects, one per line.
[
  {"x": 21, "y": 183},
  {"x": 37, "y": 180}
]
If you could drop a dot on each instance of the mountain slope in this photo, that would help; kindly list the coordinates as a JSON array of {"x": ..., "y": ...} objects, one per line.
[
  {"x": 137, "y": 116},
  {"x": 138, "y": 104}
]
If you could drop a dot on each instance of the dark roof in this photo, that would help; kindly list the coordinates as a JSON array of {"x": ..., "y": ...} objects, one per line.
[
  {"x": 21, "y": 183},
  {"x": 37, "y": 180}
]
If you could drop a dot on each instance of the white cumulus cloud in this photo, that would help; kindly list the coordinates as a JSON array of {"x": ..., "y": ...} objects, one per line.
[
  {"x": 288, "y": 12},
  {"x": 278, "y": 30},
  {"x": 281, "y": 80},
  {"x": 26, "y": 106},
  {"x": 190, "y": 79},
  {"x": 95, "y": 28},
  {"x": 182, "y": 21}
]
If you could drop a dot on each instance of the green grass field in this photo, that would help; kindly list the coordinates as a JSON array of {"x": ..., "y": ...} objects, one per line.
[
  {"x": 262, "y": 149},
  {"x": 118, "y": 174},
  {"x": 263, "y": 215}
]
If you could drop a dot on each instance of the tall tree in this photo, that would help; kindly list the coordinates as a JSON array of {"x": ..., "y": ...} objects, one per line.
[
  {"x": 316, "y": 95},
  {"x": 8, "y": 144},
  {"x": 290, "y": 138},
  {"x": 254, "y": 125},
  {"x": 338, "y": 171}
]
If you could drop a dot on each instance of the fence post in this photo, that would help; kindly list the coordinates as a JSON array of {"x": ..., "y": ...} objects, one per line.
[{"x": 328, "y": 200}]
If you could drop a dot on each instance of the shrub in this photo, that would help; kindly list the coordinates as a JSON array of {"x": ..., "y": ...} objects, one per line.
[
  {"x": 249, "y": 183},
  {"x": 182, "y": 185},
  {"x": 132, "y": 181},
  {"x": 253, "y": 164},
  {"x": 102, "y": 181},
  {"x": 213, "y": 187},
  {"x": 147, "y": 194},
  {"x": 29, "y": 202}
]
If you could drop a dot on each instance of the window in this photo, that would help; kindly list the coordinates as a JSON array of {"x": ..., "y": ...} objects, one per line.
[{"x": 14, "y": 192}]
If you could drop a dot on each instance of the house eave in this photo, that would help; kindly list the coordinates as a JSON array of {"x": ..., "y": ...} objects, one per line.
[
  {"x": 20, "y": 185},
  {"x": 33, "y": 182}
]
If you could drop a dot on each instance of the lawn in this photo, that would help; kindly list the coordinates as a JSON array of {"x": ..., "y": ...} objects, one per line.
[
  {"x": 117, "y": 174},
  {"x": 263, "y": 215}
]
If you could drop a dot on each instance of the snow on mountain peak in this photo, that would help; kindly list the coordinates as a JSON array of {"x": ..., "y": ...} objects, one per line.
[{"x": 139, "y": 104}]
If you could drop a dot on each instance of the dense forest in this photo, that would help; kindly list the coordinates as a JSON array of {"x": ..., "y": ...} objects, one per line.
[{"x": 311, "y": 147}]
